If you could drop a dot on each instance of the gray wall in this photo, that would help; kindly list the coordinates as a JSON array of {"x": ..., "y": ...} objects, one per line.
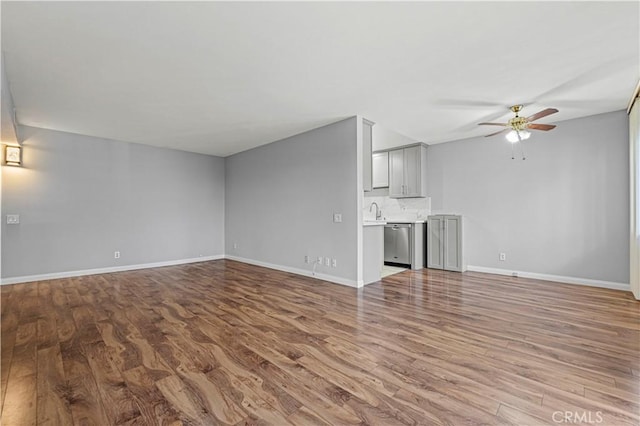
[
  {"x": 7, "y": 131},
  {"x": 280, "y": 199},
  {"x": 81, "y": 198},
  {"x": 563, "y": 211}
]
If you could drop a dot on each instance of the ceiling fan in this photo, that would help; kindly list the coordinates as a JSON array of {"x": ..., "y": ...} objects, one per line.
[{"x": 518, "y": 127}]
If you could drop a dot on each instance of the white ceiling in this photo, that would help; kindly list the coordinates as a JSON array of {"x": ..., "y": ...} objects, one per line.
[{"x": 220, "y": 78}]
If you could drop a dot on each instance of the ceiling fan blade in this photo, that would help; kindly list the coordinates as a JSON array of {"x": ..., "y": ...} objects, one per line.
[
  {"x": 473, "y": 124},
  {"x": 541, "y": 114},
  {"x": 492, "y": 124},
  {"x": 496, "y": 133},
  {"x": 544, "y": 127}
]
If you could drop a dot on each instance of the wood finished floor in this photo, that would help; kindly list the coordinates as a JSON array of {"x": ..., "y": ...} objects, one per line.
[{"x": 227, "y": 343}]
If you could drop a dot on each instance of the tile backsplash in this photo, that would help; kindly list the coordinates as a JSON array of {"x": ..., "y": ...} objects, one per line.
[{"x": 398, "y": 208}]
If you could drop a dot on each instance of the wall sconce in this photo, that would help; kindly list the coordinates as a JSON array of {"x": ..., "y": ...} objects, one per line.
[{"x": 12, "y": 155}]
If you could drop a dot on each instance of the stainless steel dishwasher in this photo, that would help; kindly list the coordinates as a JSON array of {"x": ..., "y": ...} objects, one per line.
[{"x": 397, "y": 243}]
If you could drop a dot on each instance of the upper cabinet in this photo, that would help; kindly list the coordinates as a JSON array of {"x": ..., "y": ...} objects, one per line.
[
  {"x": 407, "y": 172},
  {"x": 380, "y": 170},
  {"x": 367, "y": 143}
]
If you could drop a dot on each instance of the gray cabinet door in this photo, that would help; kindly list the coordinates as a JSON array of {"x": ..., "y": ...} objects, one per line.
[
  {"x": 407, "y": 174},
  {"x": 412, "y": 172},
  {"x": 435, "y": 243},
  {"x": 380, "y": 170},
  {"x": 452, "y": 243},
  {"x": 396, "y": 173},
  {"x": 444, "y": 242}
]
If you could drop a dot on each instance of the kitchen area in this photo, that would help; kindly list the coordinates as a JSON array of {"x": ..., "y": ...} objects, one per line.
[{"x": 399, "y": 230}]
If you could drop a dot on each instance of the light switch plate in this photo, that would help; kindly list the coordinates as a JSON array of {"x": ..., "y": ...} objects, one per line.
[
  {"x": 337, "y": 217},
  {"x": 13, "y": 219}
]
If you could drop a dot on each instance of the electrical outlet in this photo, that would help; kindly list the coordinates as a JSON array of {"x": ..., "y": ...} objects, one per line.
[
  {"x": 337, "y": 217},
  {"x": 334, "y": 263},
  {"x": 306, "y": 259},
  {"x": 13, "y": 219},
  {"x": 319, "y": 260},
  {"x": 503, "y": 256},
  {"x": 235, "y": 246},
  {"x": 327, "y": 261},
  {"x": 116, "y": 255}
]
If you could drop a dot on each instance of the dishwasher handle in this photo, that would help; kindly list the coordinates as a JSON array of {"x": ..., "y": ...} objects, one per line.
[{"x": 396, "y": 226}]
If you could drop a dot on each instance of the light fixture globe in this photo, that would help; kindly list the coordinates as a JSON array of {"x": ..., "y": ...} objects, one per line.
[
  {"x": 512, "y": 136},
  {"x": 518, "y": 135}
]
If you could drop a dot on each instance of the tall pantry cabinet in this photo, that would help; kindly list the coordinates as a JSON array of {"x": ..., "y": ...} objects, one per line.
[{"x": 444, "y": 242}]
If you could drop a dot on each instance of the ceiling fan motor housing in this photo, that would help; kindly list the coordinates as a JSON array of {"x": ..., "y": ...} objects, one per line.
[{"x": 518, "y": 123}]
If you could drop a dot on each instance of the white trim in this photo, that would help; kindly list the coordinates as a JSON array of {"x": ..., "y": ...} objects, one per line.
[
  {"x": 359, "y": 200},
  {"x": 297, "y": 271},
  {"x": 69, "y": 274},
  {"x": 548, "y": 277}
]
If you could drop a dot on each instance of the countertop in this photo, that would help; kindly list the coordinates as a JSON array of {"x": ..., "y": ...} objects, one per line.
[
  {"x": 386, "y": 221},
  {"x": 405, "y": 221},
  {"x": 374, "y": 223}
]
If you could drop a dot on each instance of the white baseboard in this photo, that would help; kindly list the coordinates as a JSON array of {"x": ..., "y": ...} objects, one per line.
[
  {"x": 320, "y": 276},
  {"x": 297, "y": 271},
  {"x": 548, "y": 277},
  {"x": 69, "y": 274}
]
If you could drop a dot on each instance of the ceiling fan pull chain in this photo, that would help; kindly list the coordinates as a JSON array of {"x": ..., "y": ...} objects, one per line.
[
  {"x": 512, "y": 153},
  {"x": 522, "y": 149}
]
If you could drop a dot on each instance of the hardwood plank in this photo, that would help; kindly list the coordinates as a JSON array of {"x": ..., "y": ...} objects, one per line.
[
  {"x": 304, "y": 416},
  {"x": 193, "y": 409},
  {"x": 52, "y": 389},
  {"x": 25, "y": 351},
  {"x": 313, "y": 392},
  {"x": 81, "y": 390},
  {"x": 154, "y": 407},
  {"x": 9, "y": 311},
  {"x": 517, "y": 417},
  {"x": 119, "y": 406},
  {"x": 20, "y": 401}
]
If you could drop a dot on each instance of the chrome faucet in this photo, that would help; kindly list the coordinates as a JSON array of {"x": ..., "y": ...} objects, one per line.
[{"x": 378, "y": 211}]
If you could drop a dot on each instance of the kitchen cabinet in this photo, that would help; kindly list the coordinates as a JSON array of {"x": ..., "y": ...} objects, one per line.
[
  {"x": 367, "y": 148},
  {"x": 380, "y": 165},
  {"x": 373, "y": 253},
  {"x": 444, "y": 242},
  {"x": 407, "y": 172}
]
